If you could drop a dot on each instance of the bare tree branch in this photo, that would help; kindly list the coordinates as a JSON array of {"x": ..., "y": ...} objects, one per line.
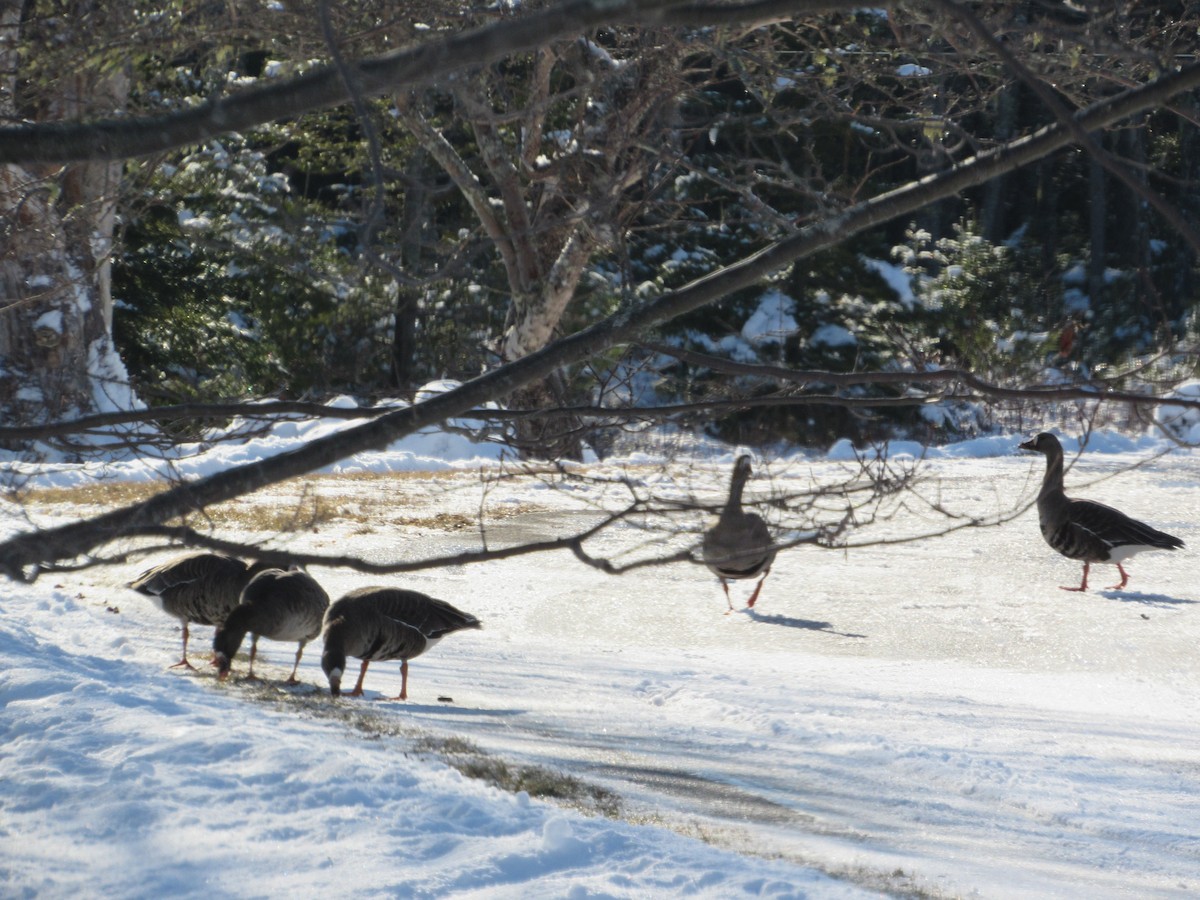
[
  {"x": 101, "y": 423},
  {"x": 23, "y": 554},
  {"x": 127, "y": 138},
  {"x": 1066, "y": 117},
  {"x": 1041, "y": 393}
]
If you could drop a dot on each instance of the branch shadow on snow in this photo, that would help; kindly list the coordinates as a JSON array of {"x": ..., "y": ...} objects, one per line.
[{"x": 808, "y": 624}]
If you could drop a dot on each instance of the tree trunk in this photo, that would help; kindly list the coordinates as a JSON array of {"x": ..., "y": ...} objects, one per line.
[
  {"x": 998, "y": 193},
  {"x": 56, "y": 355},
  {"x": 1098, "y": 212},
  {"x": 412, "y": 222},
  {"x": 535, "y": 319}
]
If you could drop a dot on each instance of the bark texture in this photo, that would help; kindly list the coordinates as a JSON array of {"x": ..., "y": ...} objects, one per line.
[{"x": 56, "y": 233}]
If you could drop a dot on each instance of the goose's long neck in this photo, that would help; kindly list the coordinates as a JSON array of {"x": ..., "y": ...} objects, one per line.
[
  {"x": 335, "y": 639},
  {"x": 736, "y": 486},
  {"x": 229, "y": 636},
  {"x": 1052, "y": 483}
]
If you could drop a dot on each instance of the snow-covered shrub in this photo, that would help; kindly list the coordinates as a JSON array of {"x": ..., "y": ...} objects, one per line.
[
  {"x": 1182, "y": 423},
  {"x": 230, "y": 284},
  {"x": 985, "y": 304}
]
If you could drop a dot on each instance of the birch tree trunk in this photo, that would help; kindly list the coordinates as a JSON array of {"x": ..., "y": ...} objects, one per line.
[{"x": 56, "y": 233}]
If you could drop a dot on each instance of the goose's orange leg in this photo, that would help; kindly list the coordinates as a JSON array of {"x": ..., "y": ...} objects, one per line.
[
  {"x": 362, "y": 673},
  {"x": 1082, "y": 587},
  {"x": 183, "y": 662},
  {"x": 403, "y": 695},
  {"x": 754, "y": 596},
  {"x": 1124, "y": 578}
]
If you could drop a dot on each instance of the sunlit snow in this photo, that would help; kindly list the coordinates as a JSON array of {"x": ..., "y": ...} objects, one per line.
[{"x": 936, "y": 717}]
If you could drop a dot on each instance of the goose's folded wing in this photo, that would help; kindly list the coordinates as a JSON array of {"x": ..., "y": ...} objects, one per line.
[{"x": 1115, "y": 529}]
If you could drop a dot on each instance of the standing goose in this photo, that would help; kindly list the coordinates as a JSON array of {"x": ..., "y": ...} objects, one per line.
[
  {"x": 739, "y": 545},
  {"x": 1086, "y": 530},
  {"x": 377, "y": 623},
  {"x": 202, "y": 588},
  {"x": 282, "y": 606}
]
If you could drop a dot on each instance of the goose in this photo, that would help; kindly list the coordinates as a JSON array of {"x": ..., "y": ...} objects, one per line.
[
  {"x": 739, "y": 545},
  {"x": 200, "y": 588},
  {"x": 282, "y": 606},
  {"x": 1086, "y": 530},
  {"x": 378, "y": 623}
]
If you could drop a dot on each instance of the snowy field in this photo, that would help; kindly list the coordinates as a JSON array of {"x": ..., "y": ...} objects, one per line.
[{"x": 934, "y": 719}]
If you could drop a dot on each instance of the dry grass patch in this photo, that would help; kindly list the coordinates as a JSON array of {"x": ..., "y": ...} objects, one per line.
[
  {"x": 458, "y": 521},
  {"x": 359, "y": 499},
  {"x": 107, "y": 493},
  {"x": 307, "y": 514},
  {"x": 102, "y": 493}
]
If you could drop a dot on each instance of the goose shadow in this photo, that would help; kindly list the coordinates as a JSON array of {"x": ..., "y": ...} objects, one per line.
[
  {"x": 1161, "y": 600},
  {"x": 806, "y": 624}
]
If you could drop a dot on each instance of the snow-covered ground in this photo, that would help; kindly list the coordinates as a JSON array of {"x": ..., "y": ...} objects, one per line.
[{"x": 934, "y": 717}]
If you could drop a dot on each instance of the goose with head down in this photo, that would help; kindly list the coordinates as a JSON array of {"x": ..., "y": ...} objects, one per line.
[
  {"x": 1084, "y": 529},
  {"x": 197, "y": 588},
  {"x": 282, "y": 606},
  {"x": 378, "y": 623}
]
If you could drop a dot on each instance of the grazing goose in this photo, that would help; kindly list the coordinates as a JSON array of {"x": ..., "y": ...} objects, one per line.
[
  {"x": 282, "y": 606},
  {"x": 739, "y": 545},
  {"x": 1084, "y": 529},
  {"x": 197, "y": 587},
  {"x": 376, "y": 623}
]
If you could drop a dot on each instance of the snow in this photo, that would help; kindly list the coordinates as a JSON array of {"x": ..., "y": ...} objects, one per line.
[
  {"x": 192, "y": 222},
  {"x": 1076, "y": 302},
  {"x": 111, "y": 391},
  {"x": 935, "y": 717},
  {"x": 830, "y": 335},
  {"x": 1181, "y": 421},
  {"x": 897, "y": 279},
  {"x": 772, "y": 321},
  {"x": 51, "y": 321}
]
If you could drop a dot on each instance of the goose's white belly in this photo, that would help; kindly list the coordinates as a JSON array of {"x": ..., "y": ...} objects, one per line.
[
  {"x": 1124, "y": 551},
  {"x": 291, "y": 633}
]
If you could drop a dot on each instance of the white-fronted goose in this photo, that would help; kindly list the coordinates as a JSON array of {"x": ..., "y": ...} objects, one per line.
[
  {"x": 739, "y": 545},
  {"x": 282, "y": 606},
  {"x": 200, "y": 588},
  {"x": 377, "y": 623},
  {"x": 1086, "y": 530}
]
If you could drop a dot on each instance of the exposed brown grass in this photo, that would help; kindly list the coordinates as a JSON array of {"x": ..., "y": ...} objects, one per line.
[
  {"x": 372, "y": 500},
  {"x": 102, "y": 493}
]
